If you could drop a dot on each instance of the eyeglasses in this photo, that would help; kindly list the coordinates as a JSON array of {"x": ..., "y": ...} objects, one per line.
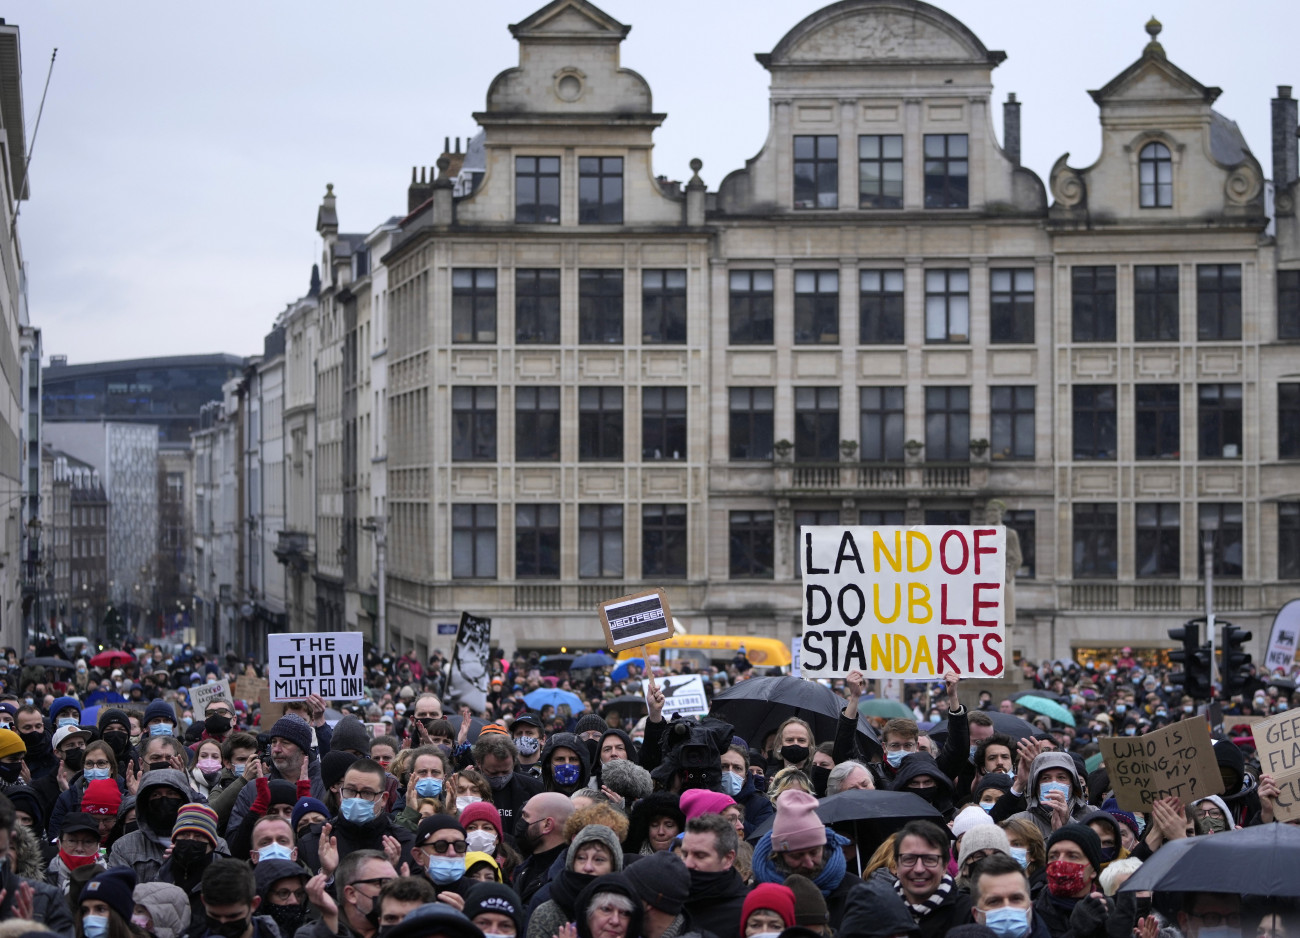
[
  {"x": 442, "y": 846},
  {"x": 930, "y": 861},
  {"x": 362, "y": 793},
  {"x": 380, "y": 881},
  {"x": 97, "y": 764},
  {"x": 1215, "y": 919},
  {"x": 283, "y": 896}
]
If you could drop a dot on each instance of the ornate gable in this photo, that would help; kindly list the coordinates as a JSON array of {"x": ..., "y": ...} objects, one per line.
[{"x": 570, "y": 20}]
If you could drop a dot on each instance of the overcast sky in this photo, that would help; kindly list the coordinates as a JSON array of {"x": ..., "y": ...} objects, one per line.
[{"x": 185, "y": 147}]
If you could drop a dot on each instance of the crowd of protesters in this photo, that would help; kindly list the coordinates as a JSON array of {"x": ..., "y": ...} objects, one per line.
[{"x": 124, "y": 813}]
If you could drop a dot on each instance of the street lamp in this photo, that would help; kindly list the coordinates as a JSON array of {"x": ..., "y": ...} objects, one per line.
[{"x": 376, "y": 525}]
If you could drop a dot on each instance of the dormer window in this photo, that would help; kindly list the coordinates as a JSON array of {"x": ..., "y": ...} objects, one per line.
[
  {"x": 1155, "y": 176},
  {"x": 816, "y": 172}
]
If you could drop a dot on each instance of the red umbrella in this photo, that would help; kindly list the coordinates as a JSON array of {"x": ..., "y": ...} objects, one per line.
[{"x": 111, "y": 658}]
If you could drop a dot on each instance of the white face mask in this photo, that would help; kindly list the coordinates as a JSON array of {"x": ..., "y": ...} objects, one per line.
[
  {"x": 464, "y": 801},
  {"x": 481, "y": 841}
]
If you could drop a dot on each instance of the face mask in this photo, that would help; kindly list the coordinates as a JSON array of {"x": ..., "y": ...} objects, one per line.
[
  {"x": 1211, "y": 825},
  {"x": 95, "y": 775},
  {"x": 239, "y": 770},
  {"x": 1130, "y": 731},
  {"x": 72, "y": 862},
  {"x": 732, "y": 783},
  {"x": 68, "y": 721},
  {"x": 135, "y": 739},
  {"x": 593, "y": 750},
  {"x": 357, "y": 810},
  {"x": 142, "y": 922},
  {"x": 987, "y": 806},
  {"x": 1162, "y": 713},
  {"x": 481, "y": 841},
  {"x": 36, "y": 743},
  {"x": 428, "y": 787},
  {"x": 566, "y": 773},
  {"x": 11, "y": 772},
  {"x": 820, "y": 776},
  {"x": 498, "y": 782},
  {"x": 443, "y": 871},
  {"x": 766, "y": 934},
  {"x": 927, "y": 795},
  {"x": 209, "y": 766},
  {"x": 1046, "y": 787},
  {"x": 1282, "y": 705},
  {"x": 161, "y": 729},
  {"x": 1064, "y": 879},
  {"x": 1121, "y": 708},
  {"x": 94, "y": 926},
  {"x": 117, "y": 741},
  {"x": 74, "y": 759},
  {"x": 229, "y": 929},
  {"x": 289, "y": 917},
  {"x": 1188, "y": 708},
  {"x": 274, "y": 852},
  {"x": 896, "y": 758},
  {"x": 528, "y": 745},
  {"x": 1108, "y": 854},
  {"x": 464, "y": 801},
  {"x": 1007, "y": 922},
  {"x": 794, "y": 753},
  {"x": 217, "y": 725},
  {"x": 524, "y": 836},
  {"x": 1021, "y": 856},
  {"x": 188, "y": 854}
]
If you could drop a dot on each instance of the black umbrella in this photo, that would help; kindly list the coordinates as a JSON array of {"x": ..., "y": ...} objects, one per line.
[
  {"x": 475, "y": 725},
  {"x": 1255, "y": 861},
  {"x": 871, "y": 815},
  {"x": 1004, "y": 723},
  {"x": 759, "y": 705},
  {"x": 52, "y": 663},
  {"x": 629, "y": 705},
  {"x": 1281, "y": 683},
  {"x": 553, "y": 664}
]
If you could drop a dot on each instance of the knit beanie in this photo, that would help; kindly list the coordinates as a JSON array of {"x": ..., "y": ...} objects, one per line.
[
  {"x": 592, "y": 833},
  {"x": 993, "y": 780},
  {"x": 63, "y": 703},
  {"x": 797, "y": 826},
  {"x": 697, "y": 801},
  {"x": 334, "y": 765},
  {"x": 494, "y": 897},
  {"x": 101, "y": 796},
  {"x": 1127, "y": 818},
  {"x": 970, "y": 816},
  {"x": 1085, "y": 837},
  {"x": 198, "y": 818},
  {"x": 483, "y": 811},
  {"x": 11, "y": 744},
  {"x": 159, "y": 708},
  {"x": 350, "y": 734},
  {"x": 307, "y": 806},
  {"x": 661, "y": 880},
  {"x": 590, "y": 723},
  {"x": 114, "y": 717},
  {"x": 778, "y": 898},
  {"x": 809, "y": 903},
  {"x": 984, "y": 837},
  {"x": 113, "y": 888},
  {"x": 295, "y": 730}
]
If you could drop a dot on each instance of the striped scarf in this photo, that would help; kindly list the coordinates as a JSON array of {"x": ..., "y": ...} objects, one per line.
[{"x": 920, "y": 910}]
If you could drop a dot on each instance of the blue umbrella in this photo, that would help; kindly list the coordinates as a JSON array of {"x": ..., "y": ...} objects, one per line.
[
  {"x": 596, "y": 659},
  {"x": 90, "y": 716},
  {"x": 549, "y": 695},
  {"x": 620, "y": 673}
]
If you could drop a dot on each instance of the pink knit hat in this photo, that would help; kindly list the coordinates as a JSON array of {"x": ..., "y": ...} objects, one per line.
[
  {"x": 797, "y": 826},
  {"x": 697, "y": 801}
]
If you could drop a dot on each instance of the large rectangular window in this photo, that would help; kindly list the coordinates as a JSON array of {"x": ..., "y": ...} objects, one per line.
[
  {"x": 880, "y": 171},
  {"x": 600, "y": 306},
  {"x": 750, "y": 307},
  {"x": 1096, "y": 529},
  {"x": 816, "y": 172},
  {"x": 1094, "y": 421},
  {"x": 537, "y": 306},
  {"x": 751, "y": 431},
  {"x": 473, "y": 424},
  {"x": 1223, "y": 521},
  {"x": 817, "y": 424},
  {"x": 537, "y": 542},
  {"x": 882, "y": 424},
  {"x": 1012, "y": 421},
  {"x": 537, "y": 190},
  {"x": 473, "y": 541},
  {"x": 880, "y": 306},
  {"x": 600, "y": 190},
  {"x": 1158, "y": 539},
  {"x": 1011, "y": 305},
  {"x": 1288, "y": 540},
  {"x": 807, "y": 518},
  {"x": 1218, "y": 419},
  {"x": 1288, "y": 420},
  {"x": 1023, "y": 523},
  {"x": 1288, "y": 304},
  {"x": 752, "y": 549},
  {"x": 947, "y": 424},
  {"x": 880, "y": 517},
  {"x": 1155, "y": 303},
  {"x": 600, "y": 424},
  {"x": 600, "y": 540},
  {"x": 1218, "y": 302},
  {"x": 663, "y": 423},
  {"x": 947, "y": 171},
  {"x": 947, "y": 306},
  {"x": 663, "y": 307},
  {"x": 663, "y": 541},
  {"x": 947, "y": 517},
  {"x": 537, "y": 424},
  {"x": 473, "y": 305},
  {"x": 816, "y": 307},
  {"x": 1156, "y": 431},
  {"x": 1092, "y": 304}
]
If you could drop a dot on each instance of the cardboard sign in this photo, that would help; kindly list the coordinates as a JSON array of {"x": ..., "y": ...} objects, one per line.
[
  {"x": 635, "y": 620},
  {"x": 249, "y": 689},
  {"x": 378, "y": 729},
  {"x": 1277, "y": 741},
  {"x": 1177, "y": 760},
  {"x": 271, "y": 710},
  {"x": 200, "y": 697},
  {"x": 912, "y": 603},
  {"x": 684, "y": 695},
  {"x": 331, "y": 664}
]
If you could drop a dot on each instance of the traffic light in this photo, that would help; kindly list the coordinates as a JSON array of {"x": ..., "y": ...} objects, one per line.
[
  {"x": 1234, "y": 671},
  {"x": 1195, "y": 660}
]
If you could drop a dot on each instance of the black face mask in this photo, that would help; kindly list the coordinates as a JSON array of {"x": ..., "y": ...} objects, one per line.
[
  {"x": 117, "y": 741},
  {"x": 794, "y": 753},
  {"x": 524, "y": 836},
  {"x": 290, "y": 917},
  {"x": 820, "y": 776},
  {"x": 37, "y": 743},
  {"x": 217, "y": 725},
  {"x": 926, "y": 794},
  {"x": 10, "y": 772},
  {"x": 190, "y": 854},
  {"x": 162, "y": 815},
  {"x": 228, "y": 929},
  {"x": 593, "y": 750},
  {"x": 74, "y": 759}
]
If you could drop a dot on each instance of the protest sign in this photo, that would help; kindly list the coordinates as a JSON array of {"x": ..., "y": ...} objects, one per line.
[
  {"x": 378, "y": 729},
  {"x": 903, "y": 602},
  {"x": 635, "y": 620},
  {"x": 468, "y": 675},
  {"x": 330, "y": 664},
  {"x": 796, "y": 649},
  {"x": 1277, "y": 740},
  {"x": 200, "y": 697},
  {"x": 249, "y": 688},
  {"x": 1177, "y": 760},
  {"x": 1283, "y": 638},
  {"x": 684, "y": 695},
  {"x": 270, "y": 710}
]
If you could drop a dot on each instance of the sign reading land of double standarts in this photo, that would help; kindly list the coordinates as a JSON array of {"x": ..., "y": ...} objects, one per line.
[
  {"x": 631, "y": 621},
  {"x": 1177, "y": 760},
  {"x": 903, "y": 602},
  {"x": 331, "y": 664},
  {"x": 1277, "y": 740}
]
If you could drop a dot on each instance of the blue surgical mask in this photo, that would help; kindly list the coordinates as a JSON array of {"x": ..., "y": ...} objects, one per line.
[
  {"x": 566, "y": 773},
  {"x": 68, "y": 721},
  {"x": 732, "y": 783},
  {"x": 239, "y": 770},
  {"x": 161, "y": 729},
  {"x": 428, "y": 787},
  {"x": 94, "y": 775},
  {"x": 1046, "y": 787},
  {"x": 1282, "y": 705},
  {"x": 896, "y": 758},
  {"x": 444, "y": 871},
  {"x": 357, "y": 810},
  {"x": 1130, "y": 731},
  {"x": 94, "y": 926},
  {"x": 1121, "y": 708},
  {"x": 987, "y": 806},
  {"x": 1008, "y": 922},
  {"x": 274, "y": 852},
  {"x": 972, "y": 752},
  {"x": 1021, "y": 856},
  {"x": 1220, "y": 931}
]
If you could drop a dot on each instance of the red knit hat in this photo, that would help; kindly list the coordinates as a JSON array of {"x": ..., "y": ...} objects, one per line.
[
  {"x": 101, "y": 797},
  {"x": 482, "y": 811},
  {"x": 797, "y": 826},
  {"x": 778, "y": 898}
]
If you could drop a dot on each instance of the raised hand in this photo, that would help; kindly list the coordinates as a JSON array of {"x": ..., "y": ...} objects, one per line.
[
  {"x": 328, "y": 850},
  {"x": 392, "y": 849},
  {"x": 319, "y": 896}
]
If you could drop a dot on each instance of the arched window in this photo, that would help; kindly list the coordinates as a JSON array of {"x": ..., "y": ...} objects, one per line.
[{"x": 1155, "y": 176}]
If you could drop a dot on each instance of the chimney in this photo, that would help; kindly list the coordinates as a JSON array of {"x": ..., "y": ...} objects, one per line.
[
  {"x": 1011, "y": 128},
  {"x": 1285, "y": 117},
  {"x": 421, "y": 188}
]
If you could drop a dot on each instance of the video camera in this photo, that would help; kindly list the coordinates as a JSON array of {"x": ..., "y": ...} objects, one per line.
[{"x": 694, "y": 750}]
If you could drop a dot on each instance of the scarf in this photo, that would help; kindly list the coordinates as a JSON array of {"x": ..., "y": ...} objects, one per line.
[
  {"x": 920, "y": 910},
  {"x": 675, "y": 927},
  {"x": 828, "y": 880}
]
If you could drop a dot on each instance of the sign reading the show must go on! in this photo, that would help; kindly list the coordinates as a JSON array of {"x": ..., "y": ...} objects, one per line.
[
  {"x": 331, "y": 664},
  {"x": 903, "y": 602}
]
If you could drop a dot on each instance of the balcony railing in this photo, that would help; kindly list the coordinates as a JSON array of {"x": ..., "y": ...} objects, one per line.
[
  {"x": 1157, "y": 596},
  {"x": 827, "y": 476}
]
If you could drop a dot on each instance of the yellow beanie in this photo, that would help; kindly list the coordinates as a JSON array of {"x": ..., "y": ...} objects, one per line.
[{"x": 11, "y": 744}]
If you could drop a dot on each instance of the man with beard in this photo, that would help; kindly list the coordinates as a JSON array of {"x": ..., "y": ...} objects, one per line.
[
  {"x": 717, "y": 893},
  {"x": 290, "y": 759},
  {"x": 361, "y": 822},
  {"x": 539, "y": 834},
  {"x": 229, "y": 892},
  {"x": 282, "y": 884},
  {"x": 194, "y": 838},
  {"x": 800, "y": 843},
  {"x": 158, "y": 803},
  {"x": 360, "y": 878},
  {"x": 40, "y": 758}
]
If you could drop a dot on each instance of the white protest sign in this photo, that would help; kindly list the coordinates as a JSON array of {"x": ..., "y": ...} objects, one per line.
[
  {"x": 636, "y": 620},
  {"x": 903, "y": 602},
  {"x": 684, "y": 695},
  {"x": 796, "y": 649},
  {"x": 200, "y": 697},
  {"x": 1283, "y": 638},
  {"x": 330, "y": 664}
]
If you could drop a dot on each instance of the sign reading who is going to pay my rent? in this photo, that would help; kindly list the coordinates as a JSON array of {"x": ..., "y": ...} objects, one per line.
[
  {"x": 903, "y": 601},
  {"x": 330, "y": 664}
]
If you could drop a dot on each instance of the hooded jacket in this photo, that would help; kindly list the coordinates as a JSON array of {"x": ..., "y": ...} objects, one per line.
[
  {"x": 1028, "y": 807},
  {"x": 568, "y": 741},
  {"x": 610, "y": 882},
  {"x": 940, "y": 796},
  {"x": 555, "y": 903},
  {"x": 352, "y": 836},
  {"x": 143, "y": 848},
  {"x": 1118, "y": 851},
  {"x": 168, "y": 907},
  {"x": 657, "y": 804},
  {"x": 874, "y": 910},
  {"x": 249, "y": 792},
  {"x": 1240, "y": 791}
]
